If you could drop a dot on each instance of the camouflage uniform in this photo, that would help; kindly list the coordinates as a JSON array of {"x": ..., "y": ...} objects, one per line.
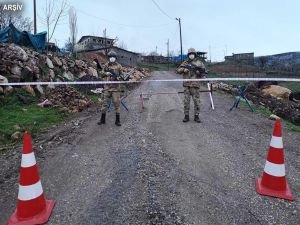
[
  {"x": 112, "y": 91},
  {"x": 191, "y": 88},
  {"x": 112, "y": 72}
]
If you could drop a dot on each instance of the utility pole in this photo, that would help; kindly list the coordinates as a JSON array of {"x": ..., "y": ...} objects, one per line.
[
  {"x": 34, "y": 15},
  {"x": 156, "y": 50},
  {"x": 179, "y": 21},
  {"x": 168, "y": 55},
  {"x": 210, "y": 54},
  {"x": 105, "y": 46}
]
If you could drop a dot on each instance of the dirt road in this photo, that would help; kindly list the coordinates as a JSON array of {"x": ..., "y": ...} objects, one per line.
[{"x": 157, "y": 170}]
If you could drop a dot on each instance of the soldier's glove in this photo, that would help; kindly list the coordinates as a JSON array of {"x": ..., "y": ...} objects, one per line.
[
  {"x": 185, "y": 70},
  {"x": 108, "y": 73}
]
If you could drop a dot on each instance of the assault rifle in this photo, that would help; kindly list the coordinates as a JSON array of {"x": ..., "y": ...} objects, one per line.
[
  {"x": 113, "y": 74},
  {"x": 194, "y": 68},
  {"x": 116, "y": 77}
]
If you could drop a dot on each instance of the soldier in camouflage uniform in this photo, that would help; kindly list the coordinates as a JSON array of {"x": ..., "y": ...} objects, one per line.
[
  {"x": 112, "y": 72},
  {"x": 191, "y": 88}
]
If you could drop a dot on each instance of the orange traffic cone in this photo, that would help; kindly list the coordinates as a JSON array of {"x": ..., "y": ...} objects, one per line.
[
  {"x": 32, "y": 207},
  {"x": 273, "y": 182}
]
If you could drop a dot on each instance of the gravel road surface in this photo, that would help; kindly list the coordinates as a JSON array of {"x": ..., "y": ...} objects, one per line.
[{"x": 154, "y": 169}]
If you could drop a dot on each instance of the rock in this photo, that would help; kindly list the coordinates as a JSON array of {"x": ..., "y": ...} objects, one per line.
[
  {"x": 51, "y": 74},
  {"x": 29, "y": 89},
  {"x": 27, "y": 74},
  {"x": 35, "y": 70},
  {"x": 8, "y": 90},
  {"x": 40, "y": 89},
  {"x": 82, "y": 74},
  {"x": 63, "y": 61},
  {"x": 277, "y": 91},
  {"x": 20, "y": 53},
  {"x": 17, "y": 135},
  {"x": 71, "y": 63},
  {"x": 80, "y": 64},
  {"x": 69, "y": 76},
  {"x": 57, "y": 61},
  {"x": 49, "y": 63},
  {"x": 16, "y": 70},
  {"x": 274, "y": 117},
  {"x": 92, "y": 71},
  {"x": 3, "y": 68},
  {"x": 3, "y": 79},
  {"x": 50, "y": 86}
]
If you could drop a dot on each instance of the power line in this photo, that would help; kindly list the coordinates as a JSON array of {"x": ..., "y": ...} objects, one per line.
[
  {"x": 124, "y": 25},
  {"x": 162, "y": 11}
]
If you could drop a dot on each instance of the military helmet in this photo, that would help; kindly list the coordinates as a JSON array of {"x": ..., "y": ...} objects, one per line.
[
  {"x": 112, "y": 54},
  {"x": 191, "y": 50}
]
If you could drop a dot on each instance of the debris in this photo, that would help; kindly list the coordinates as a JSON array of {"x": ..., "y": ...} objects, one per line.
[
  {"x": 67, "y": 97},
  {"x": 45, "y": 103},
  {"x": 93, "y": 72},
  {"x": 274, "y": 117},
  {"x": 277, "y": 91},
  {"x": 88, "y": 87},
  {"x": 17, "y": 135},
  {"x": 49, "y": 63},
  {"x": 69, "y": 76},
  {"x": 17, "y": 127},
  {"x": 29, "y": 89}
]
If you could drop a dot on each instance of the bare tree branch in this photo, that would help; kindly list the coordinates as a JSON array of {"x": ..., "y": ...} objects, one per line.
[
  {"x": 54, "y": 12},
  {"x": 73, "y": 26}
]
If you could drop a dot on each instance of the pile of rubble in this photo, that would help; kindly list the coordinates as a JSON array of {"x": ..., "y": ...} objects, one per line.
[
  {"x": 281, "y": 106},
  {"x": 279, "y": 100},
  {"x": 66, "y": 97},
  {"x": 21, "y": 64}
]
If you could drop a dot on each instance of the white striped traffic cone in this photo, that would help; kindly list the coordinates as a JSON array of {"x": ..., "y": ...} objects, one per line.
[
  {"x": 273, "y": 182},
  {"x": 32, "y": 207}
]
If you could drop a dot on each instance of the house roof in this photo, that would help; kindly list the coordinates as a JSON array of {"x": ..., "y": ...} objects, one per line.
[
  {"x": 98, "y": 49},
  {"x": 87, "y": 36},
  {"x": 125, "y": 50}
]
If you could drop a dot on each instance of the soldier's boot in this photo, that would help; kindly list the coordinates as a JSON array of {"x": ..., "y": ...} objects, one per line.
[
  {"x": 118, "y": 123},
  {"x": 102, "y": 121},
  {"x": 196, "y": 119},
  {"x": 186, "y": 118}
]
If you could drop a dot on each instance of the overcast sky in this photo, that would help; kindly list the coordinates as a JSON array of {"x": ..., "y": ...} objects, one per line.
[{"x": 232, "y": 26}]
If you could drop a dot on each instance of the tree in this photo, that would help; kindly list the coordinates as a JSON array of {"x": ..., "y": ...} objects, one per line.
[
  {"x": 16, "y": 18},
  {"x": 54, "y": 12},
  {"x": 73, "y": 27},
  {"x": 153, "y": 53},
  {"x": 122, "y": 45},
  {"x": 68, "y": 46},
  {"x": 262, "y": 61}
]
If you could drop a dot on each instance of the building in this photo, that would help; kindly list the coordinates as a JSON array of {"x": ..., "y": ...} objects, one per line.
[
  {"x": 126, "y": 57},
  {"x": 242, "y": 58},
  {"x": 154, "y": 59},
  {"x": 88, "y": 43},
  {"x": 100, "y": 45}
]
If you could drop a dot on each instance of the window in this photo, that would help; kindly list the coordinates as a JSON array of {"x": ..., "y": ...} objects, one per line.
[{"x": 108, "y": 42}]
